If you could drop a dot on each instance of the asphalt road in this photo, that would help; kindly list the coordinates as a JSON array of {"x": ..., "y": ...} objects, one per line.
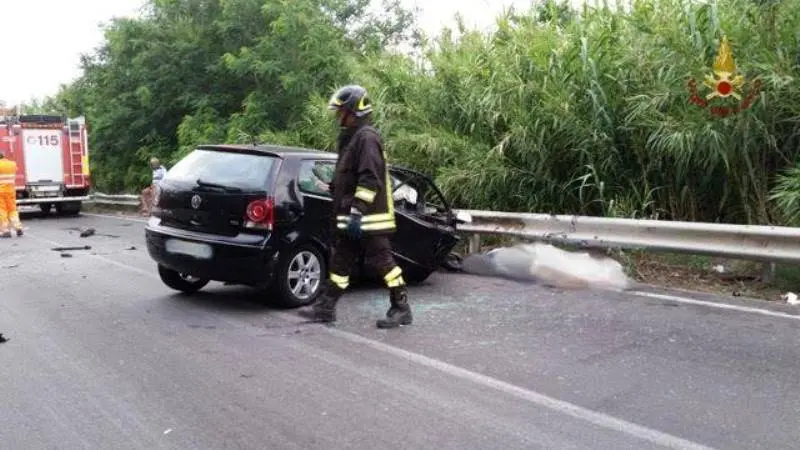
[{"x": 103, "y": 356}]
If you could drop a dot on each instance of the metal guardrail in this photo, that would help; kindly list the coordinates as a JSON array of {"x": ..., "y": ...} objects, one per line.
[
  {"x": 761, "y": 243},
  {"x": 753, "y": 242},
  {"x": 119, "y": 199}
]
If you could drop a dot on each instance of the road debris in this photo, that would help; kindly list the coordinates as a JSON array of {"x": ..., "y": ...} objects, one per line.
[
  {"x": 87, "y": 232},
  {"x": 66, "y": 255},
  {"x": 11, "y": 266},
  {"x": 63, "y": 249},
  {"x": 3, "y": 338},
  {"x": 791, "y": 298},
  {"x": 168, "y": 431}
]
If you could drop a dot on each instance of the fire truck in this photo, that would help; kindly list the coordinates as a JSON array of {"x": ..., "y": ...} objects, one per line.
[{"x": 51, "y": 153}]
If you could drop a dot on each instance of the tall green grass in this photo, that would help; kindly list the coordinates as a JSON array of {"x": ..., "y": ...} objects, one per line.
[{"x": 592, "y": 115}]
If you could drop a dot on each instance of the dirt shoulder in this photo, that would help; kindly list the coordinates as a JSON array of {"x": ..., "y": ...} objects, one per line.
[{"x": 714, "y": 275}]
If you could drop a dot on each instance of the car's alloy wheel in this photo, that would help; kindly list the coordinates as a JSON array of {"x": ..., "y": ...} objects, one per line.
[
  {"x": 304, "y": 275},
  {"x": 299, "y": 278}
]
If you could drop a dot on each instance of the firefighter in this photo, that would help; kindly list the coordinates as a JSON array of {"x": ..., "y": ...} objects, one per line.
[
  {"x": 8, "y": 198},
  {"x": 364, "y": 211}
]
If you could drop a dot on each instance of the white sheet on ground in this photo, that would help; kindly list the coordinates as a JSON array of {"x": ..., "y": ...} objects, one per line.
[{"x": 550, "y": 265}]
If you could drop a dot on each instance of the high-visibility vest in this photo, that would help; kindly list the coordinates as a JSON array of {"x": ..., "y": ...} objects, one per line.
[{"x": 8, "y": 175}]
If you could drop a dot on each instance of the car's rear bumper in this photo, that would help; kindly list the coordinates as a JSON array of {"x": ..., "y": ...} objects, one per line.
[{"x": 242, "y": 259}]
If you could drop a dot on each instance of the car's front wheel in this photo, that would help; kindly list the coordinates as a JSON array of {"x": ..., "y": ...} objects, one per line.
[
  {"x": 181, "y": 282},
  {"x": 299, "y": 277}
]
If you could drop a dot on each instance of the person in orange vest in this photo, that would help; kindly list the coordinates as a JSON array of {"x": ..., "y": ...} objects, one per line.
[{"x": 8, "y": 197}]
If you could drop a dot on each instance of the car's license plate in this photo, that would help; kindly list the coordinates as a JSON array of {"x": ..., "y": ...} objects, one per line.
[{"x": 202, "y": 251}]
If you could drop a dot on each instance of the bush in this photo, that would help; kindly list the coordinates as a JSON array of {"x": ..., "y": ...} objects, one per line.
[{"x": 561, "y": 111}]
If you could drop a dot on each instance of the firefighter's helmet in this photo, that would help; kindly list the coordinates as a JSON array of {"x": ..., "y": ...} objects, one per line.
[{"x": 353, "y": 98}]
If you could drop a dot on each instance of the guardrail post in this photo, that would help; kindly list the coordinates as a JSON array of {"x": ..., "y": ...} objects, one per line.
[
  {"x": 474, "y": 243},
  {"x": 768, "y": 272}
]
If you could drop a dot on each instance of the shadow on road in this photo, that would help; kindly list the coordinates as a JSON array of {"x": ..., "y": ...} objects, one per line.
[
  {"x": 217, "y": 297},
  {"x": 27, "y": 214},
  {"x": 221, "y": 298}
]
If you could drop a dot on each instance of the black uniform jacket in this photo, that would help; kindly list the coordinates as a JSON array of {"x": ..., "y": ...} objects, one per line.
[{"x": 361, "y": 180}]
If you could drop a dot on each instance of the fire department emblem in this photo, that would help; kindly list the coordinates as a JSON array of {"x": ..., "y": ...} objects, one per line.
[
  {"x": 724, "y": 83},
  {"x": 196, "y": 201}
]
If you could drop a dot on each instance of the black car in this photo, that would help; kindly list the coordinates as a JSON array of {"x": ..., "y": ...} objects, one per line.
[{"x": 260, "y": 215}]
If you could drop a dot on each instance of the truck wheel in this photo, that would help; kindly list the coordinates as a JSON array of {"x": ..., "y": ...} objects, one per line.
[
  {"x": 68, "y": 208},
  {"x": 45, "y": 208},
  {"x": 181, "y": 282}
]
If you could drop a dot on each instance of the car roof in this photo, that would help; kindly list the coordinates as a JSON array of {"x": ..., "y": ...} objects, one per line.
[
  {"x": 283, "y": 151},
  {"x": 279, "y": 151}
]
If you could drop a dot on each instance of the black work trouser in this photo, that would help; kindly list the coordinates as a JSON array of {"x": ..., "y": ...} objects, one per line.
[{"x": 377, "y": 254}]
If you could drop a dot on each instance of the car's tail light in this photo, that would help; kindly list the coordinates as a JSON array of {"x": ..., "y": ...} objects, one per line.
[{"x": 260, "y": 214}]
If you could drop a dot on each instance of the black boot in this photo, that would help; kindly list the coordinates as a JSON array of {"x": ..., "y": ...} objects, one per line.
[
  {"x": 324, "y": 309},
  {"x": 399, "y": 313}
]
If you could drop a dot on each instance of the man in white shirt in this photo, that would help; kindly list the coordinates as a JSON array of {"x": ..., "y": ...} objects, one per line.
[{"x": 159, "y": 172}]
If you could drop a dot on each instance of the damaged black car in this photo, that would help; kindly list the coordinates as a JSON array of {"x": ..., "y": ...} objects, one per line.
[{"x": 261, "y": 216}]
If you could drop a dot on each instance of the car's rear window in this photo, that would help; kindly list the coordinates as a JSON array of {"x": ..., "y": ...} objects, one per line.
[{"x": 240, "y": 170}]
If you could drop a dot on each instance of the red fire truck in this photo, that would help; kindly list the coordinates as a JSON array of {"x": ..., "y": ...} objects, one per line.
[{"x": 51, "y": 153}]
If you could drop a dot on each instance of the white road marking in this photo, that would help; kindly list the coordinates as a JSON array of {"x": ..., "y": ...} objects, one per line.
[
  {"x": 108, "y": 260},
  {"x": 578, "y": 412},
  {"x": 560, "y": 406},
  {"x": 691, "y": 301}
]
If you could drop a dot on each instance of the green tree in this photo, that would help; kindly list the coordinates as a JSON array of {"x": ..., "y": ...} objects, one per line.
[{"x": 557, "y": 110}]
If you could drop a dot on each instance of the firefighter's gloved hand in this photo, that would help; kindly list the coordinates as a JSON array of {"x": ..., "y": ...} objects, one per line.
[{"x": 354, "y": 224}]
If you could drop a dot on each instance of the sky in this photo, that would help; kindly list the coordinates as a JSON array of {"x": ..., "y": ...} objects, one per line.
[{"x": 53, "y": 34}]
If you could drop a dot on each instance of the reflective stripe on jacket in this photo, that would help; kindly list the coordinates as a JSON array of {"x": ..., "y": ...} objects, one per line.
[
  {"x": 360, "y": 181},
  {"x": 8, "y": 175}
]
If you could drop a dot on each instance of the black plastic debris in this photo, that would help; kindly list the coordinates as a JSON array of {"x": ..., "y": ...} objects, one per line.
[
  {"x": 63, "y": 249},
  {"x": 3, "y": 338},
  {"x": 87, "y": 232}
]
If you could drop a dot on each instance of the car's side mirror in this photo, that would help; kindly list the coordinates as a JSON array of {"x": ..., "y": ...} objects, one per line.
[{"x": 463, "y": 217}]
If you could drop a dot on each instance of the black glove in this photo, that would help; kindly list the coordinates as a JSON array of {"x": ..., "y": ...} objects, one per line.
[{"x": 354, "y": 224}]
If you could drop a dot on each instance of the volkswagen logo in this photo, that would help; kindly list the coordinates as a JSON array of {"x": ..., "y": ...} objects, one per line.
[{"x": 196, "y": 200}]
